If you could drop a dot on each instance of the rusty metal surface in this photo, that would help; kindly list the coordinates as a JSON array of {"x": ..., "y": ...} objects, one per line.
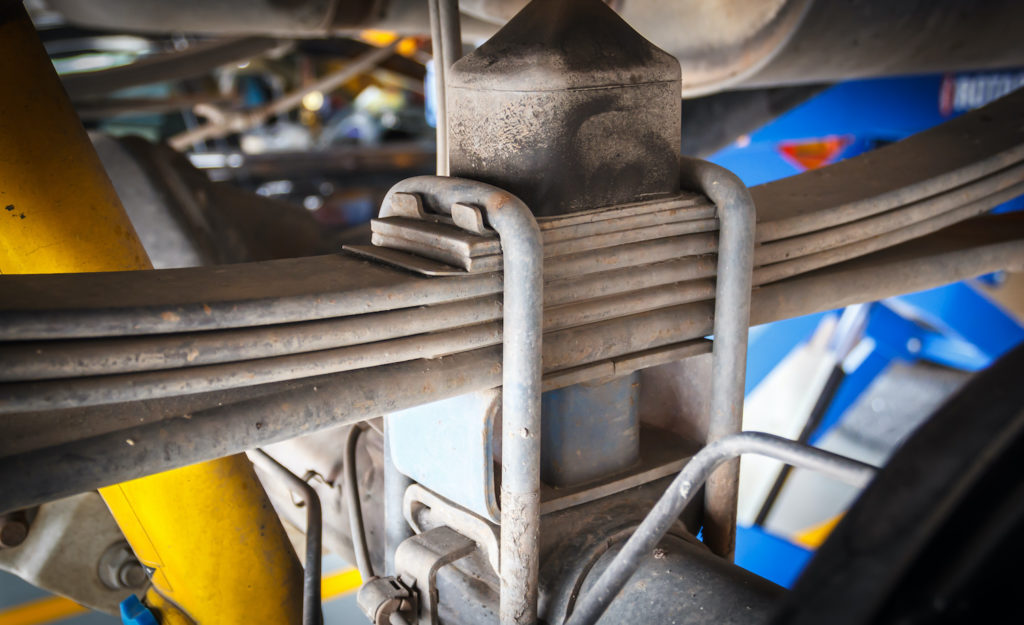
[
  {"x": 535, "y": 97},
  {"x": 570, "y": 241},
  {"x": 184, "y": 300},
  {"x": 579, "y": 538},
  {"x": 65, "y": 461},
  {"x": 422, "y": 556},
  {"x": 180, "y": 301},
  {"x": 966, "y": 149},
  {"x": 612, "y": 335},
  {"x": 521, "y": 371},
  {"x": 39, "y": 360},
  {"x": 193, "y": 379},
  {"x": 619, "y": 570},
  {"x": 945, "y": 157},
  {"x": 737, "y": 216}
]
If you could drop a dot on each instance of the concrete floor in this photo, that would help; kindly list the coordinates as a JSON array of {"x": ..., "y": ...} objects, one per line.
[
  {"x": 14, "y": 591},
  {"x": 895, "y": 404}
]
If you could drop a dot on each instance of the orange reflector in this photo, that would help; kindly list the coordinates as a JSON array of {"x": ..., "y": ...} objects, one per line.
[{"x": 814, "y": 153}]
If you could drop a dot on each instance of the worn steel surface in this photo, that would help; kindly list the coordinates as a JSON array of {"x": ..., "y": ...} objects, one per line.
[
  {"x": 419, "y": 558},
  {"x": 737, "y": 217},
  {"x": 535, "y": 97},
  {"x": 62, "y": 463},
  {"x": 967, "y": 149},
  {"x": 521, "y": 371},
  {"x": 683, "y": 575},
  {"x": 63, "y": 548},
  {"x": 325, "y": 287},
  {"x": 685, "y": 486},
  {"x": 188, "y": 380},
  {"x": 681, "y": 581},
  {"x": 424, "y": 509}
]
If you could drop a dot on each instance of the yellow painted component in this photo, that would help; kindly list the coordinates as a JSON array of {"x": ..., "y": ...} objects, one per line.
[
  {"x": 380, "y": 38},
  {"x": 58, "y": 210},
  {"x": 213, "y": 541},
  {"x": 217, "y": 548},
  {"x": 41, "y": 611},
  {"x": 815, "y": 535},
  {"x": 338, "y": 584},
  {"x": 408, "y": 47}
]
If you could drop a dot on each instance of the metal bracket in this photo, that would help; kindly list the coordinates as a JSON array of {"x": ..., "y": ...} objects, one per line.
[
  {"x": 382, "y": 597},
  {"x": 522, "y": 260},
  {"x": 419, "y": 558},
  {"x": 480, "y": 530}
]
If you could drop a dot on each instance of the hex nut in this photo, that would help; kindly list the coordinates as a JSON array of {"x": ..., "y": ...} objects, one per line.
[
  {"x": 119, "y": 569},
  {"x": 13, "y": 532}
]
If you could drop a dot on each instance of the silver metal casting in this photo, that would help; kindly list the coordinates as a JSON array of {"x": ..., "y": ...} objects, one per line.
[{"x": 593, "y": 604}]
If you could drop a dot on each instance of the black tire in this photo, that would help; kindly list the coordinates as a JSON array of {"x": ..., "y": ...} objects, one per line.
[{"x": 938, "y": 537}]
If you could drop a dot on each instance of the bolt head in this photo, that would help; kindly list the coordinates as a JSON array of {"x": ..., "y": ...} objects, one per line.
[
  {"x": 13, "y": 532},
  {"x": 132, "y": 574}
]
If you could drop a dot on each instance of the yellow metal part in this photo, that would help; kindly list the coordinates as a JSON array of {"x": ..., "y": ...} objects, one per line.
[
  {"x": 224, "y": 559},
  {"x": 59, "y": 211},
  {"x": 216, "y": 547}
]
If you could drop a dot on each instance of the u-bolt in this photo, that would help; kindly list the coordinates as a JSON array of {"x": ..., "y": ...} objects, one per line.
[
  {"x": 522, "y": 259},
  {"x": 737, "y": 221}
]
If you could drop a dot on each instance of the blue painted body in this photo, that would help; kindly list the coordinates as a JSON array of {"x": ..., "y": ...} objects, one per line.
[
  {"x": 133, "y": 612},
  {"x": 954, "y": 325},
  {"x": 773, "y": 558},
  {"x": 448, "y": 447},
  {"x": 589, "y": 431}
]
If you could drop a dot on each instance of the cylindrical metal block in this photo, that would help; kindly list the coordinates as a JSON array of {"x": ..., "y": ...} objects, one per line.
[{"x": 568, "y": 108}]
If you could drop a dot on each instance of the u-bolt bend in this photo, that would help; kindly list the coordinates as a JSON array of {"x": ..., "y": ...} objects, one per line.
[
  {"x": 523, "y": 262},
  {"x": 522, "y": 252},
  {"x": 737, "y": 221}
]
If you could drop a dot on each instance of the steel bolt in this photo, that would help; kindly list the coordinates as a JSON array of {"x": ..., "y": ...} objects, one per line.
[
  {"x": 118, "y": 568},
  {"x": 13, "y": 532},
  {"x": 132, "y": 574}
]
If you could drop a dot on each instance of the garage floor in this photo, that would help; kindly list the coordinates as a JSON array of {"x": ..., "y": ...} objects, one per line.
[{"x": 24, "y": 604}]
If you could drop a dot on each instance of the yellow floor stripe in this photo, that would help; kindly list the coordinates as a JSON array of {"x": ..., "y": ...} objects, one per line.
[
  {"x": 52, "y": 609},
  {"x": 41, "y": 611},
  {"x": 815, "y": 535},
  {"x": 337, "y": 584}
]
